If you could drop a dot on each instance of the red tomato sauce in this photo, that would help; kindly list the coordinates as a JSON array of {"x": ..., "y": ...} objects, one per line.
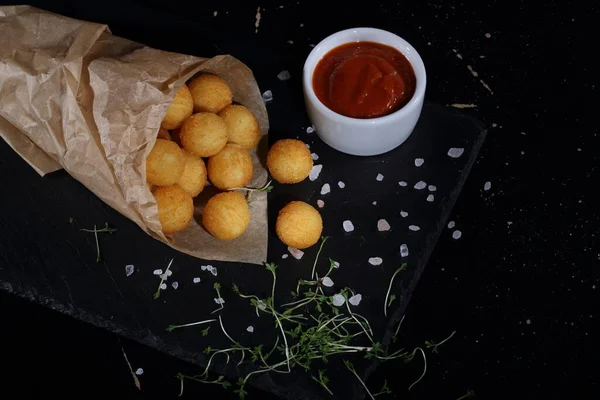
[{"x": 364, "y": 80}]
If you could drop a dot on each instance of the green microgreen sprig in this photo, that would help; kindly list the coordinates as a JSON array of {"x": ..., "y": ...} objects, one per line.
[
  {"x": 162, "y": 280},
  {"x": 95, "y": 231}
]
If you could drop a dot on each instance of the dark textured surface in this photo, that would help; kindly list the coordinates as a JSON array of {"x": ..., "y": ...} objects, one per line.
[{"x": 520, "y": 286}]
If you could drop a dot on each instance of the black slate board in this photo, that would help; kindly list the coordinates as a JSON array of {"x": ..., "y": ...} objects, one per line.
[{"x": 46, "y": 258}]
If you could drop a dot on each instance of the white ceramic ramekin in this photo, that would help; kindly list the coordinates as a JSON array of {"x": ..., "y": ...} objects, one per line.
[{"x": 363, "y": 137}]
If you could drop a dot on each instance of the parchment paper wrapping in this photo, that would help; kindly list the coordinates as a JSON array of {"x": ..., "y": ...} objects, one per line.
[{"x": 74, "y": 96}]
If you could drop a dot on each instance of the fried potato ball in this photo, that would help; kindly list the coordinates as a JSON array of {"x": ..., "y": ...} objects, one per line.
[
  {"x": 226, "y": 215},
  {"x": 165, "y": 163},
  {"x": 175, "y": 208},
  {"x": 231, "y": 167},
  {"x": 203, "y": 134},
  {"x": 242, "y": 126},
  {"x": 210, "y": 93},
  {"x": 289, "y": 161},
  {"x": 163, "y": 134},
  {"x": 193, "y": 179},
  {"x": 299, "y": 225},
  {"x": 179, "y": 110}
]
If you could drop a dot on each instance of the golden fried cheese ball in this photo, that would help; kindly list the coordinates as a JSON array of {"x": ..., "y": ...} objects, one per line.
[
  {"x": 175, "y": 208},
  {"x": 231, "y": 167},
  {"x": 203, "y": 134},
  {"x": 226, "y": 215},
  {"x": 193, "y": 179},
  {"x": 165, "y": 163},
  {"x": 163, "y": 134},
  {"x": 242, "y": 126},
  {"x": 179, "y": 110},
  {"x": 210, "y": 93},
  {"x": 299, "y": 225},
  {"x": 289, "y": 161}
]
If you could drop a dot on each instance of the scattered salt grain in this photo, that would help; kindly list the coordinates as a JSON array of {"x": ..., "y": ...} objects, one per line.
[
  {"x": 196, "y": 280},
  {"x": 379, "y": 177},
  {"x": 325, "y": 189},
  {"x": 456, "y": 234},
  {"x": 320, "y": 203},
  {"x": 338, "y": 300},
  {"x": 314, "y": 172},
  {"x": 219, "y": 300},
  {"x": 211, "y": 269},
  {"x": 528, "y": 321},
  {"x": 163, "y": 286},
  {"x": 290, "y": 41},
  {"x": 327, "y": 282},
  {"x": 431, "y": 188},
  {"x": 402, "y": 183},
  {"x": 456, "y": 152},
  {"x": 284, "y": 256},
  {"x": 336, "y": 264},
  {"x": 430, "y": 198},
  {"x": 375, "y": 260},
  {"x": 203, "y": 267},
  {"x": 157, "y": 271},
  {"x": 175, "y": 285},
  {"x": 403, "y": 250},
  {"x": 129, "y": 270},
  {"x": 341, "y": 184},
  {"x": 314, "y": 156},
  {"x": 169, "y": 272},
  {"x": 284, "y": 76},
  {"x": 451, "y": 224},
  {"x": 267, "y": 96},
  {"x": 419, "y": 162},
  {"x": 414, "y": 228},
  {"x": 487, "y": 186},
  {"x": 375, "y": 203},
  {"x": 250, "y": 329},
  {"x": 310, "y": 129},
  {"x": 297, "y": 254},
  {"x": 348, "y": 226},
  {"x": 215, "y": 13},
  {"x": 383, "y": 226},
  {"x": 403, "y": 214},
  {"x": 487, "y": 35},
  {"x": 420, "y": 185},
  {"x": 355, "y": 300},
  {"x": 139, "y": 371}
]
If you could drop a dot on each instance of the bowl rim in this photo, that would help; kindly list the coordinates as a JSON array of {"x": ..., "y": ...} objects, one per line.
[{"x": 413, "y": 58}]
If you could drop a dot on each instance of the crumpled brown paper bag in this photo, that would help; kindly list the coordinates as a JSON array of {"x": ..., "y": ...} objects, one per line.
[{"x": 74, "y": 96}]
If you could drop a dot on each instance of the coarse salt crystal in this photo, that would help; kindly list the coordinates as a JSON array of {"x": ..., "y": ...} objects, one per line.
[
  {"x": 451, "y": 224},
  {"x": 431, "y": 188},
  {"x": 284, "y": 256},
  {"x": 430, "y": 198},
  {"x": 456, "y": 152},
  {"x": 456, "y": 234},
  {"x": 129, "y": 270},
  {"x": 403, "y": 250},
  {"x": 314, "y": 156},
  {"x": 314, "y": 172},
  {"x": 420, "y": 185},
  {"x": 355, "y": 300},
  {"x": 487, "y": 186},
  {"x": 419, "y": 162},
  {"x": 267, "y": 96},
  {"x": 157, "y": 271},
  {"x": 203, "y": 267},
  {"x": 338, "y": 300},
  {"x": 348, "y": 226},
  {"x": 139, "y": 371},
  {"x": 169, "y": 272},
  {"x": 175, "y": 285},
  {"x": 196, "y": 280},
  {"x": 219, "y": 300},
  {"x": 375, "y": 203},
  {"x": 163, "y": 286},
  {"x": 336, "y": 264},
  {"x": 379, "y": 177},
  {"x": 327, "y": 282},
  {"x": 414, "y": 228},
  {"x": 382, "y": 225},
  {"x": 375, "y": 260},
  {"x": 402, "y": 183},
  {"x": 284, "y": 75},
  {"x": 250, "y": 329},
  {"x": 403, "y": 214},
  {"x": 341, "y": 184},
  {"x": 310, "y": 129},
  {"x": 325, "y": 189},
  {"x": 296, "y": 253},
  {"x": 320, "y": 203}
]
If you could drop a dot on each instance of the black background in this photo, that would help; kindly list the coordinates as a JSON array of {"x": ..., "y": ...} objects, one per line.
[{"x": 520, "y": 286}]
